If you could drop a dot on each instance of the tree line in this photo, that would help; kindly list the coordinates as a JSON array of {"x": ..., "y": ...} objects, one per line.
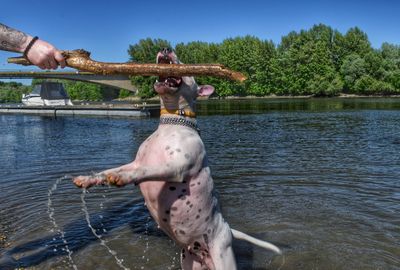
[
  {"x": 11, "y": 92},
  {"x": 319, "y": 61}
]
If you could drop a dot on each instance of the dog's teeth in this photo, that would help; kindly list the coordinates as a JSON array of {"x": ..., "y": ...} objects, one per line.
[
  {"x": 170, "y": 62},
  {"x": 166, "y": 80}
]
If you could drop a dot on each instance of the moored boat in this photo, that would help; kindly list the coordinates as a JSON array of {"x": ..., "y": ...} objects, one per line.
[{"x": 47, "y": 94}]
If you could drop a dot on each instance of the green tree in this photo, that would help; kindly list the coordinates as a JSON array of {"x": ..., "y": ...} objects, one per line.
[
  {"x": 391, "y": 64},
  {"x": 254, "y": 58},
  {"x": 124, "y": 93},
  {"x": 307, "y": 63},
  {"x": 83, "y": 91},
  {"x": 356, "y": 42},
  {"x": 11, "y": 92},
  {"x": 353, "y": 68}
]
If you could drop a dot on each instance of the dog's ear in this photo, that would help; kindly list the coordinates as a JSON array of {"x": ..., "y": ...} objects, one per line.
[{"x": 205, "y": 90}]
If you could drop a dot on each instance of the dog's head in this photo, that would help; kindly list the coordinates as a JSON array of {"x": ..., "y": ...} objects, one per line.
[{"x": 185, "y": 87}]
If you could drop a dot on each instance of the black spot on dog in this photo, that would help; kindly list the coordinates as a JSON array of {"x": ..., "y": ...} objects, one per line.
[
  {"x": 188, "y": 202},
  {"x": 178, "y": 150},
  {"x": 172, "y": 188},
  {"x": 198, "y": 216},
  {"x": 167, "y": 212},
  {"x": 174, "y": 208},
  {"x": 167, "y": 148},
  {"x": 171, "y": 153},
  {"x": 198, "y": 183},
  {"x": 209, "y": 231},
  {"x": 187, "y": 156},
  {"x": 207, "y": 218},
  {"x": 165, "y": 220},
  {"x": 183, "y": 254},
  {"x": 191, "y": 205},
  {"x": 182, "y": 232},
  {"x": 182, "y": 197},
  {"x": 192, "y": 185},
  {"x": 199, "y": 210},
  {"x": 205, "y": 236}
]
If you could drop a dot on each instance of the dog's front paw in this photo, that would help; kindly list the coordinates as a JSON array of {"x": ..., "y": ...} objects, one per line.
[{"x": 88, "y": 181}]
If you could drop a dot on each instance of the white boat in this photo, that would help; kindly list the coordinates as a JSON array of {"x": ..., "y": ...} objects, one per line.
[{"x": 47, "y": 94}]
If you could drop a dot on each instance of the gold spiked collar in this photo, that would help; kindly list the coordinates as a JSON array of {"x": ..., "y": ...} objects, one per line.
[{"x": 180, "y": 112}]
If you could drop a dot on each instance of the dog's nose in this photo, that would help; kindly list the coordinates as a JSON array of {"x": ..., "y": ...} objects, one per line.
[{"x": 166, "y": 51}]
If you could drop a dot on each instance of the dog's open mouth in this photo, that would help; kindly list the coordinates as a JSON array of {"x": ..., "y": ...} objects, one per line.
[{"x": 168, "y": 81}]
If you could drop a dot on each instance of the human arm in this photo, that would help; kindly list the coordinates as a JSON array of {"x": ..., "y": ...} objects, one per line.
[{"x": 41, "y": 53}]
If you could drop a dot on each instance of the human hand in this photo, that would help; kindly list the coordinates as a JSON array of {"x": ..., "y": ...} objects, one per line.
[{"x": 45, "y": 55}]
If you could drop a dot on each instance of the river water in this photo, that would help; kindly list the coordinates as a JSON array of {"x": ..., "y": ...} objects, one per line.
[{"x": 319, "y": 178}]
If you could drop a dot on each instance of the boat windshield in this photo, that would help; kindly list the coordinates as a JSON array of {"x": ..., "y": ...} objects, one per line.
[
  {"x": 36, "y": 89},
  {"x": 52, "y": 90}
]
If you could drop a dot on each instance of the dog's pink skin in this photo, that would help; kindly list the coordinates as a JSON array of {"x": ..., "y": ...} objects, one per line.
[{"x": 173, "y": 175}]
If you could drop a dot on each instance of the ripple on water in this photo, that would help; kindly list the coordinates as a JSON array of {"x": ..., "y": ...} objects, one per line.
[{"x": 321, "y": 184}]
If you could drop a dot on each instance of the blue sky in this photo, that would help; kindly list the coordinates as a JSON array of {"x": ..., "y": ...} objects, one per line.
[{"x": 106, "y": 28}]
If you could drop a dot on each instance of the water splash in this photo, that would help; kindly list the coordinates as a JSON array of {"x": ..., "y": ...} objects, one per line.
[
  {"x": 145, "y": 258},
  {"x": 175, "y": 260},
  {"x": 271, "y": 262},
  {"x": 50, "y": 211},
  {"x": 102, "y": 242}
]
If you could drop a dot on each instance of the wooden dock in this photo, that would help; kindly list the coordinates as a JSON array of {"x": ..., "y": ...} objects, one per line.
[{"x": 105, "y": 110}]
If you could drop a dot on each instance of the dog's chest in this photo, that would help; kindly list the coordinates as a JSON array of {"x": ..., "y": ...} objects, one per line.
[{"x": 181, "y": 208}]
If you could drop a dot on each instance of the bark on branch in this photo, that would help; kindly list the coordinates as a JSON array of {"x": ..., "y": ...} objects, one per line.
[{"x": 80, "y": 59}]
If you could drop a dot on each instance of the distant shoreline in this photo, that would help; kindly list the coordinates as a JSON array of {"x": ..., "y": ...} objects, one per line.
[
  {"x": 135, "y": 99},
  {"x": 307, "y": 97},
  {"x": 271, "y": 97}
]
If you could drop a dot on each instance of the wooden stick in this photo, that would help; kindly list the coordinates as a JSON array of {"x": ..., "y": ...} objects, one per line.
[{"x": 80, "y": 59}]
